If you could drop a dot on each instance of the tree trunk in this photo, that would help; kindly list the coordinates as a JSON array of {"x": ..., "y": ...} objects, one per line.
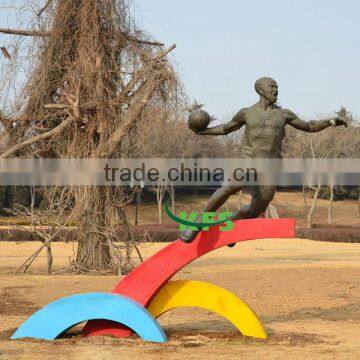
[
  {"x": 94, "y": 216},
  {"x": 160, "y": 192},
  {"x": 172, "y": 197},
  {"x": 313, "y": 206},
  {"x": 304, "y": 199},
  {"x": 358, "y": 208},
  {"x": 49, "y": 258},
  {"x": 137, "y": 204},
  {"x": 330, "y": 204},
  {"x": 32, "y": 204}
]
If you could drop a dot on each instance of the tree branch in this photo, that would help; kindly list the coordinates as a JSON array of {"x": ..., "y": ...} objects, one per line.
[
  {"x": 143, "y": 71},
  {"x": 45, "y": 33},
  {"x": 37, "y": 138},
  {"x": 44, "y": 7},
  {"x": 73, "y": 101},
  {"x": 143, "y": 96},
  {"x": 5, "y": 52},
  {"x": 25, "y": 32},
  {"x": 145, "y": 42},
  {"x": 24, "y": 266},
  {"x": 164, "y": 53},
  {"x": 140, "y": 102}
]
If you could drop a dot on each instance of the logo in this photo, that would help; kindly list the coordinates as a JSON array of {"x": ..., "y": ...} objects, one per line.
[{"x": 208, "y": 219}]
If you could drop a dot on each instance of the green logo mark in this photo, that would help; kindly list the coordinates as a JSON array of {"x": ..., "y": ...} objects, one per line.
[{"x": 188, "y": 221}]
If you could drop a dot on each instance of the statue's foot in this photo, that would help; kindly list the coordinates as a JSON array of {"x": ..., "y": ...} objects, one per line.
[
  {"x": 188, "y": 236},
  {"x": 233, "y": 218}
]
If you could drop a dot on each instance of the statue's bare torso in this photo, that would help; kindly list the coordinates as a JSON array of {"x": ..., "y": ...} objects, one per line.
[{"x": 264, "y": 131}]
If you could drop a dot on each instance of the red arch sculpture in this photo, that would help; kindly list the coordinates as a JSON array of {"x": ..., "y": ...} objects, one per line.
[{"x": 146, "y": 280}]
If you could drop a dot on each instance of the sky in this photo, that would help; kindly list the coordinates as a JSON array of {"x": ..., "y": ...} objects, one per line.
[{"x": 312, "y": 49}]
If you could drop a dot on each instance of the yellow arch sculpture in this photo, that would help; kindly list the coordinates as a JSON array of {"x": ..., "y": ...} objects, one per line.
[{"x": 211, "y": 297}]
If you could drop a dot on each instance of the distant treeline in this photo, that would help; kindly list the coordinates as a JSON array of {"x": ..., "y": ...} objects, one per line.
[{"x": 21, "y": 195}]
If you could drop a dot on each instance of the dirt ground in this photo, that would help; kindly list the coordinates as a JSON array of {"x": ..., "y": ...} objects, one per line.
[{"x": 307, "y": 294}]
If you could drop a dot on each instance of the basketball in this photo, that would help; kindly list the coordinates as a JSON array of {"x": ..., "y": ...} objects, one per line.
[{"x": 199, "y": 120}]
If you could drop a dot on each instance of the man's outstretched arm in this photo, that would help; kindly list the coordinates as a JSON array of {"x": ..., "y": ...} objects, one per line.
[
  {"x": 312, "y": 126},
  {"x": 236, "y": 123}
]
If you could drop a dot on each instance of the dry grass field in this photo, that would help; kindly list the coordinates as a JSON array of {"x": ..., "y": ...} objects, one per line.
[{"x": 307, "y": 294}]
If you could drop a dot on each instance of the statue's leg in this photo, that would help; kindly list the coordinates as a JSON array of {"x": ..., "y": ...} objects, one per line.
[
  {"x": 260, "y": 200},
  {"x": 251, "y": 211},
  {"x": 217, "y": 199}
]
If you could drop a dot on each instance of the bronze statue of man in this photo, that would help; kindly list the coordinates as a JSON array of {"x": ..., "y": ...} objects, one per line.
[{"x": 265, "y": 124}]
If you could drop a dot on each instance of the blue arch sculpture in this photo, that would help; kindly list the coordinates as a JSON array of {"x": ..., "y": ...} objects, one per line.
[{"x": 54, "y": 319}]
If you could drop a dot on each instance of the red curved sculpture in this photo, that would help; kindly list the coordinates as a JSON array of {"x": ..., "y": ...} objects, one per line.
[{"x": 146, "y": 280}]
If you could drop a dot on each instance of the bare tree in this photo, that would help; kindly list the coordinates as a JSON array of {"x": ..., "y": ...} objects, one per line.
[
  {"x": 171, "y": 190},
  {"x": 160, "y": 191},
  {"x": 93, "y": 80},
  {"x": 313, "y": 206},
  {"x": 304, "y": 199},
  {"x": 48, "y": 225},
  {"x": 331, "y": 200}
]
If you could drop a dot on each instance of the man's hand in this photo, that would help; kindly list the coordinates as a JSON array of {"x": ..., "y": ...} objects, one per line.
[{"x": 338, "y": 121}]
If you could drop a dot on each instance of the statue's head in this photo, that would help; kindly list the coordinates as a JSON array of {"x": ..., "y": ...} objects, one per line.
[{"x": 267, "y": 88}]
